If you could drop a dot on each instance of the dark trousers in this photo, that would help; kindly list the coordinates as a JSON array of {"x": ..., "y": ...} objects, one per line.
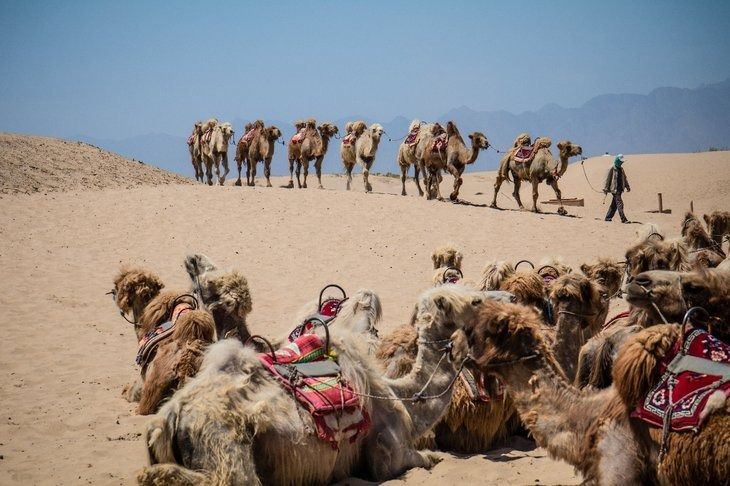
[{"x": 617, "y": 204}]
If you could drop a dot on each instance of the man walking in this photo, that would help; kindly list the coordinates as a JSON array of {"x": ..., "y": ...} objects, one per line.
[{"x": 616, "y": 182}]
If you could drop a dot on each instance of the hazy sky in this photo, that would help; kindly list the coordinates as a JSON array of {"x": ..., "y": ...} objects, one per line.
[{"x": 121, "y": 68}]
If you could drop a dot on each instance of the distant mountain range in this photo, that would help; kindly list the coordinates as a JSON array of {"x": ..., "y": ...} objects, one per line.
[{"x": 665, "y": 120}]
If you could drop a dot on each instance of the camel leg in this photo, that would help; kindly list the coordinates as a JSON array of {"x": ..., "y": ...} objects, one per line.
[
  {"x": 516, "y": 192},
  {"x": 248, "y": 172},
  {"x": 254, "y": 163},
  {"x": 416, "y": 172},
  {"x": 239, "y": 163},
  {"x": 306, "y": 173},
  {"x": 458, "y": 181},
  {"x": 209, "y": 171},
  {"x": 403, "y": 177},
  {"x": 437, "y": 182},
  {"x": 267, "y": 171},
  {"x": 226, "y": 170},
  {"x": 348, "y": 170},
  {"x": 535, "y": 184},
  {"x": 318, "y": 168},
  {"x": 299, "y": 171},
  {"x": 497, "y": 185},
  {"x": 554, "y": 184},
  {"x": 291, "y": 174},
  {"x": 366, "y": 177}
]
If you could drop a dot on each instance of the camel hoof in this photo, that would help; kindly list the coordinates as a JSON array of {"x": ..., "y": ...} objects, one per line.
[
  {"x": 238, "y": 183},
  {"x": 562, "y": 211},
  {"x": 493, "y": 206},
  {"x": 268, "y": 184},
  {"x": 368, "y": 188},
  {"x": 403, "y": 193},
  {"x": 291, "y": 185},
  {"x": 454, "y": 197},
  {"x": 320, "y": 187}
]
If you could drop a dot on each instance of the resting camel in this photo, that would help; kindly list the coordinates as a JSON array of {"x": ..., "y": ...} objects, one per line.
[
  {"x": 235, "y": 424},
  {"x": 407, "y": 153},
  {"x": 215, "y": 151},
  {"x": 542, "y": 168},
  {"x": 589, "y": 430},
  {"x": 261, "y": 149},
  {"x": 312, "y": 146},
  {"x": 194, "y": 148},
  {"x": 134, "y": 288},
  {"x": 454, "y": 157},
  {"x": 347, "y": 147},
  {"x": 718, "y": 225},
  {"x": 701, "y": 457},
  {"x": 704, "y": 252},
  {"x": 366, "y": 146}
]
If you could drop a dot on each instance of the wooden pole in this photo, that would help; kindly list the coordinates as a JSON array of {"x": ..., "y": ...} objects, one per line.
[
  {"x": 661, "y": 206},
  {"x": 692, "y": 207}
]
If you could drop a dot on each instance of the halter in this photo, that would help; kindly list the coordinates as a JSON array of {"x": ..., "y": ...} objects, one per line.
[{"x": 113, "y": 293}]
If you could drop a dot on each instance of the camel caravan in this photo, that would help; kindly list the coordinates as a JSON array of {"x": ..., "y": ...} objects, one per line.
[
  {"x": 632, "y": 397},
  {"x": 430, "y": 148}
]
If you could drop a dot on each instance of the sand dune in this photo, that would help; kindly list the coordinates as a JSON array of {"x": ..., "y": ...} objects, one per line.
[{"x": 67, "y": 353}]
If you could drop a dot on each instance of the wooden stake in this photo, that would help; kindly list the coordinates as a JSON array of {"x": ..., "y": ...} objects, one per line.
[
  {"x": 661, "y": 206},
  {"x": 692, "y": 207}
]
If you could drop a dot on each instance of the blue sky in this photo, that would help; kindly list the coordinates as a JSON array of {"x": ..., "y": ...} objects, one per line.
[{"x": 117, "y": 69}]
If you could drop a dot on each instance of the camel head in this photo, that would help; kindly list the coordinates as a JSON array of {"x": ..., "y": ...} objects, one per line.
[
  {"x": 718, "y": 224},
  {"x": 569, "y": 149},
  {"x": 446, "y": 256},
  {"x": 494, "y": 273},
  {"x": 327, "y": 130},
  {"x": 441, "y": 310},
  {"x": 578, "y": 296},
  {"x": 198, "y": 127},
  {"x": 258, "y": 124},
  {"x": 527, "y": 287},
  {"x": 660, "y": 288},
  {"x": 227, "y": 130},
  {"x": 210, "y": 124},
  {"x": 273, "y": 133},
  {"x": 134, "y": 287},
  {"x": 656, "y": 253},
  {"x": 299, "y": 124},
  {"x": 247, "y": 127},
  {"x": 503, "y": 337},
  {"x": 311, "y": 124},
  {"x": 479, "y": 141},
  {"x": 376, "y": 131},
  {"x": 606, "y": 272}
]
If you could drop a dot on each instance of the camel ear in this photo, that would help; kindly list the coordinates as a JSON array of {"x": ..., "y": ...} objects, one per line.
[
  {"x": 585, "y": 268},
  {"x": 707, "y": 219},
  {"x": 442, "y": 304},
  {"x": 563, "y": 144},
  {"x": 436, "y": 261},
  {"x": 471, "y": 136}
]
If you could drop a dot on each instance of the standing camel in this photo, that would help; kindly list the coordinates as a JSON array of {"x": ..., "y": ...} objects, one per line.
[
  {"x": 215, "y": 151},
  {"x": 347, "y": 147},
  {"x": 261, "y": 149},
  {"x": 309, "y": 145},
  {"x": 366, "y": 146},
  {"x": 242, "y": 146},
  {"x": 453, "y": 155},
  {"x": 542, "y": 167},
  {"x": 407, "y": 155},
  {"x": 194, "y": 148}
]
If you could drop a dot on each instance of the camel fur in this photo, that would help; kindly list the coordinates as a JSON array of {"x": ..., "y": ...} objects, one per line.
[
  {"x": 691, "y": 458},
  {"x": 446, "y": 256},
  {"x": 718, "y": 225},
  {"x": 607, "y": 272},
  {"x": 215, "y": 152},
  {"x": 134, "y": 288},
  {"x": 261, "y": 149},
  {"x": 313, "y": 147},
  {"x": 542, "y": 168},
  {"x": 407, "y": 157},
  {"x": 366, "y": 147},
  {"x": 347, "y": 151},
  {"x": 703, "y": 251},
  {"x": 234, "y": 424},
  {"x": 494, "y": 274}
]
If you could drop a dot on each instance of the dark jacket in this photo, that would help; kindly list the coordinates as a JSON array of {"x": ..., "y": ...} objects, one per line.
[{"x": 616, "y": 181}]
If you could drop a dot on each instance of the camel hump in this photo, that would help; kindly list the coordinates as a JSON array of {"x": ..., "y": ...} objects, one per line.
[{"x": 522, "y": 139}]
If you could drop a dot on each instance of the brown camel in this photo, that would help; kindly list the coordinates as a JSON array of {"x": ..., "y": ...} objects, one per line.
[
  {"x": 494, "y": 274},
  {"x": 261, "y": 149},
  {"x": 453, "y": 157},
  {"x": 311, "y": 146},
  {"x": 215, "y": 151},
  {"x": 366, "y": 147},
  {"x": 718, "y": 225},
  {"x": 589, "y": 430},
  {"x": 194, "y": 149},
  {"x": 407, "y": 153},
  {"x": 235, "y": 424},
  {"x": 704, "y": 252},
  {"x": 243, "y": 144},
  {"x": 446, "y": 256},
  {"x": 543, "y": 167},
  {"x": 134, "y": 288},
  {"x": 607, "y": 272},
  {"x": 699, "y": 457},
  {"x": 347, "y": 147}
]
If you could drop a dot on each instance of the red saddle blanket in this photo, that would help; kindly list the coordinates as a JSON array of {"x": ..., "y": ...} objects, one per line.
[
  {"x": 191, "y": 139},
  {"x": 412, "y": 137},
  {"x": 349, "y": 139},
  {"x": 685, "y": 394},
  {"x": 439, "y": 143},
  {"x": 327, "y": 311},
  {"x": 298, "y": 137},
  {"x": 207, "y": 135},
  {"x": 248, "y": 136},
  {"x": 477, "y": 389},
  {"x": 523, "y": 153},
  {"x": 334, "y": 406}
]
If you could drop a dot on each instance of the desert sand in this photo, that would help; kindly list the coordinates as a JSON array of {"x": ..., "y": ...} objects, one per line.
[{"x": 67, "y": 224}]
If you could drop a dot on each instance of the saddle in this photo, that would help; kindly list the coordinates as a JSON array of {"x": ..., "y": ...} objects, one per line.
[
  {"x": 299, "y": 136},
  {"x": 148, "y": 344},
  {"x": 349, "y": 139},
  {"x": 306, "y": 368},
  {"x": 248, "y": 136},
  {"x": 697, "y": 368},
  {"x": 207, "y": 135},
  {"x": 412, "y": 137},
  {"x": 439, "y": 143},
  {"x": 523, "y": 153},
  {"x": 480, "y": 387},
  {"x": 191, "y": 139},
  {"x": 327, "y": 310}
]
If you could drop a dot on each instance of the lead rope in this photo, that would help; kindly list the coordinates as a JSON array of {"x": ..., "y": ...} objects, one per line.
[{"x": 582, "y": 166}]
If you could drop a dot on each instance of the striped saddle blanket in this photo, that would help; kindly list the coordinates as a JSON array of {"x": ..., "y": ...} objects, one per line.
[
  {"x": 523, "y": 153},
  {"x": 304, "y": 369},
  {"x": 349, "y": 140},
  {"x": 148, "y": 344},
  {"x": 299, "y": 136},
  {"x": 412, "y": 137},
  {"x": 439, "y": 143},
  {"x": 207, "y": 135}
]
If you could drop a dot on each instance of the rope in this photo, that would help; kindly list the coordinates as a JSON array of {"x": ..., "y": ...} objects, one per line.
[{"x": 586, "y": 176}]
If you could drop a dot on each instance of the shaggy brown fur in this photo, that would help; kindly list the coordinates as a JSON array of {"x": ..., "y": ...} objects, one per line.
[
  {"x": 159, "y": 310},
  {"x": 651, "y": 251},
  {"x": 134, "y": 288},
  {"x": 446, "y": 256},
  {"x": 494, "y": 274},
  {"x": 701, "y": 458},
  {"x": 176, "y": 359},
  {"x": 704, "y": 252},
  {"x": 718, "y": 225},
  {"x": 528, "y": 288},
  {"x": 606, "y": 272},
  {"x": 581, "y": 428}
]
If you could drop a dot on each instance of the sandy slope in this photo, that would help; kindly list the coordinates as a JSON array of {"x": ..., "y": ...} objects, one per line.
[{"x": 67, "y": 354}]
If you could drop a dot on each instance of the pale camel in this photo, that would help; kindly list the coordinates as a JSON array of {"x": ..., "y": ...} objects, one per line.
[
  {"x": 366, "y": 147},
  {"x": 194, "y": 149},
  {"x": 542, "y": 168},
  {"x": 407, "y": 154},
  {"x": 261, "y": 149},
  {"x": 347, "y": 147},
  {"x": 235, "y": 424},
  {"x": 243, "y": 144},
  {"x": 454, "y": 157},
  {"x": 312, "y": 146},
  {"x": 215, "y": 152}
]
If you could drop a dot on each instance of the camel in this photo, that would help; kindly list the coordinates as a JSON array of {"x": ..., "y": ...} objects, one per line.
[
  {"x": 446, "y": 256},
  {"x": 312, "y": 146},
  {"x": 652, "y": 251},
  {"x": 454, "y": 157},
  {"x": 215, "y": 151},
  {"x": 607, "y": 272},
  {"x": 194, "y": 148},
  {"x": 261, "y": 149},
  {"x": 704, "y": 252},
  {"x": 699, "y": 457},
  {"x": 235, "y": 424},
  {"x": 134, "y": 288},
  {"x": 407, "y": 154},
  {"x": 347, "y": 147},
  {"x": 589, "y": 430},
  {"x": 718, "y": 225},
  {"x": 366, "y": 147},
  {"x": 494, "y": 274},
  {"x": 542, "y": 168},
  {"x": 242, "y": 146}
]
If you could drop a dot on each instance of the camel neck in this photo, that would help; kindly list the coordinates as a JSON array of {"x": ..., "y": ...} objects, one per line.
[
  {"x": 429, "y": 365},
  {"x": 569, "y": 337}
]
